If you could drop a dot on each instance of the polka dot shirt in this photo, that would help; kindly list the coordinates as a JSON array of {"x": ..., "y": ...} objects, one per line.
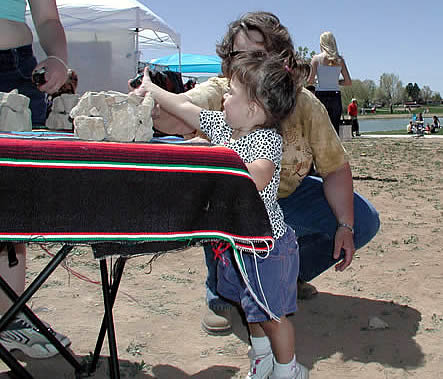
[{"x": 259, "y": 144}]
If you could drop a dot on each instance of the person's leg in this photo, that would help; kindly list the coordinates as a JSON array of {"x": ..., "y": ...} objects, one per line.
[
  {"x": 332, "y": 106},
  {"x": 217, "y": 319},
  {"x": 273, "y": 351},
  {"x": 20, "y": 334},
  {"x": 14, "y": 276},
  {"x": 308, "y": 213},
  {"x": 357, "y": 128},
  {"x": 334, "y": 110}
]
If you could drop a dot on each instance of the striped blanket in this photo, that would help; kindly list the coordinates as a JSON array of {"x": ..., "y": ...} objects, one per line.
[{"x": 127, "y": 198}]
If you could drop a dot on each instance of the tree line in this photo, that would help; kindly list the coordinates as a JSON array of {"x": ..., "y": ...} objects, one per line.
[{"x": 390, "y": 91}]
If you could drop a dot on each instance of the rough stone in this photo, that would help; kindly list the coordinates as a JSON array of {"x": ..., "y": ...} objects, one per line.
[
  {"x": 126, "y": 118},
  {"x": 15, "y": 114},
  {"x": 89, "y": 128},
  {"x": 58, "y": 118},
  {"x": 377, "y": 323}
]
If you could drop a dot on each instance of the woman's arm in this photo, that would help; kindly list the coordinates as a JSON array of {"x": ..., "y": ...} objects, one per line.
[
  {"x": 346, "y": 81},
  {"x": 339, "y": 193},
  {"x": 261, "y": 171},
  {"x": 178, "y": 105},
  {"x": 313, "y": 73},
  {"x": 53, "y": 41}
]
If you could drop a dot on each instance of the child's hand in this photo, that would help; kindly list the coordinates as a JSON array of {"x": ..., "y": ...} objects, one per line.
[{"x": 146, "y": 84}]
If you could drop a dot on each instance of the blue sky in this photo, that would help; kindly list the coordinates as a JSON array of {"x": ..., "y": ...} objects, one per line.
[{"x": 375, "y": 37}]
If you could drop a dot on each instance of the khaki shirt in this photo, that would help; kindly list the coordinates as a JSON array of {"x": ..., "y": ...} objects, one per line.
[{"x": 308, "y": 135}]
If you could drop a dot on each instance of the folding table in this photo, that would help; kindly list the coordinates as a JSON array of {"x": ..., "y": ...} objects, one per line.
[{"x": 123, "y": 199}]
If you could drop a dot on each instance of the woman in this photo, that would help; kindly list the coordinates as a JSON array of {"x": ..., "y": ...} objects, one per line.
[
  {"x": 321, "y": 211},
  {"x": 327, "y": 67},
  {"x": 16, "y": 57},
  {"x": 16, "y": 66}
]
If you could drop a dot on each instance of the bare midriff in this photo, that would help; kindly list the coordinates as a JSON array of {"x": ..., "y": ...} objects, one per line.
[{"x": 14, "y": 34}]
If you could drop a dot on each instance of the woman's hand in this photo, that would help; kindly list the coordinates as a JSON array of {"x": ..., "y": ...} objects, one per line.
[{"x": 56, "y": 75}]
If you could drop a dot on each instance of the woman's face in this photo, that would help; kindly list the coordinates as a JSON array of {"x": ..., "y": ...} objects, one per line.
[{"x": 252, "y": 41}]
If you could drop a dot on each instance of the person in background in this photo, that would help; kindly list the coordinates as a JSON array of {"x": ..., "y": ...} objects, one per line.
[
  {"x": 353, "y": 112},
  {"x": 326, "y": 68},
  {"x": 435, "y": 124},
  {"x": 320, "y": 210},
  {"x": 262, "y": 93},
  {"x": 17, "y": 64},
  {"x": 410, "y": 127}
]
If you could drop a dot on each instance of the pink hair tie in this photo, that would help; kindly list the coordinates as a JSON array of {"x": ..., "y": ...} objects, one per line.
[{"x": 288, "y": 69}]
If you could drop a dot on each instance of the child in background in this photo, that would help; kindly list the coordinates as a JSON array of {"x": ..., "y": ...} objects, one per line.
[{"x": 262, "y": 94}]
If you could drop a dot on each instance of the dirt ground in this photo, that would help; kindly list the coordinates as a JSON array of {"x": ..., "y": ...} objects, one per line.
[{"x": 397, "y": 277}]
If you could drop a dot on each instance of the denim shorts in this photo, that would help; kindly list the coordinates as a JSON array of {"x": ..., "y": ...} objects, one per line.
[
  {"x": 277, "y": 276},
  {"x": 16, "y": 66}
]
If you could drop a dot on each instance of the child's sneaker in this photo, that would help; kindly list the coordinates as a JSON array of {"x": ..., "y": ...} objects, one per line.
[
  {"x": 301, "y": 372},
  {"x": 261, "y": 365},
  {"x": 298, "y": 371},
  {"x": 20, "y": 334}
]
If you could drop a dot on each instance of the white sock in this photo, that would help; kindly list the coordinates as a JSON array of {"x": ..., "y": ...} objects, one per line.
[
  {"x": 284, "y": 370},
  {"x": 261, "y": 345}
]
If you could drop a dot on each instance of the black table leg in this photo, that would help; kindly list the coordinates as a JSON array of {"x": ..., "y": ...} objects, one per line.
[
  {"x": 113, "y": 355},
  {"x": 118, "y": 272},
  {"x": 16, "y": 368}
]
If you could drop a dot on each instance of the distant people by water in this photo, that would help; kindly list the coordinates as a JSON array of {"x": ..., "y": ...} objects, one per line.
[{"x": 435, "y": 124}]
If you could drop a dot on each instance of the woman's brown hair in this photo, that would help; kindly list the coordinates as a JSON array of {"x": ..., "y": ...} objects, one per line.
[{"x": 276, "y": 39}]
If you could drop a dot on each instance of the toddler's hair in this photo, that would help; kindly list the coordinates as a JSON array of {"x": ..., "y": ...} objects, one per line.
[{"x": 271, "y": 80}]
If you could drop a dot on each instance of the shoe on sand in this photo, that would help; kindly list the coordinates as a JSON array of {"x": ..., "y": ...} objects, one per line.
[
  {"x": 217, "y": 322},
  {"x": 261, "y": 365},
  {"x": 21, "y": 335}
]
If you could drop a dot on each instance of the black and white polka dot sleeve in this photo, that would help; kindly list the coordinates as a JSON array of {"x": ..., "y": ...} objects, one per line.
[
  {"x": 211, "y": 123},
  {"x": 268, "y": 146}
]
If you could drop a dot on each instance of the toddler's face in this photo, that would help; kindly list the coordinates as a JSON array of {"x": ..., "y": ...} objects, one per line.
[{"x": 236, "y": 105}]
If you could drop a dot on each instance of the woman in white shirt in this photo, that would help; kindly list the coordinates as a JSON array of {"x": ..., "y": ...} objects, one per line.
[{"x": 327, "y": 67}]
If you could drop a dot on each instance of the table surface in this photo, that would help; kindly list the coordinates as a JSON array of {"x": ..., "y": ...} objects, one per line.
[{"x": 142, "y": 196}]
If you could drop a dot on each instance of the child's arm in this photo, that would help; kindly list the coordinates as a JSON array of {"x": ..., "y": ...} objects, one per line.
[
  {"x": 177, "y": 104},
  {"x": 261, "y": 171}
]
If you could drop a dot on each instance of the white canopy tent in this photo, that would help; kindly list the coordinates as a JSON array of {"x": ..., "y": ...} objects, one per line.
[{"x": 106, "y": 39}]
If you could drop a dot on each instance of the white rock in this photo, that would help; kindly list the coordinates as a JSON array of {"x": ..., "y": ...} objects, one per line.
[
  {"x": 89, "y": 128},
  {"x": 58, "y": 118},
  {"x": 58, "y": 105},
  {"x": 15, "y": 114},
  {"x": 126, "y": 118},
  {"x": 377, "y": 323}
]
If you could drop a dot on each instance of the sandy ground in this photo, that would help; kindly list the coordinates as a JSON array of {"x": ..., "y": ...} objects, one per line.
[{"x": 397, "y": 277}]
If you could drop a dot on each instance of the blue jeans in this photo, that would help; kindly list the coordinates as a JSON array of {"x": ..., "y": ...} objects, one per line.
[
  {"x": 308, "y": 213},
  {"x": 16, "y": 66}
]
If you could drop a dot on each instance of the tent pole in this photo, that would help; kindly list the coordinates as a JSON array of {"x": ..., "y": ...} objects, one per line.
[{"x": 137, "y": 52}]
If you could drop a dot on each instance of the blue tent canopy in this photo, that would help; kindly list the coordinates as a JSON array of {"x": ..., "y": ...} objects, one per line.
[{"x": 190, "y": 63}]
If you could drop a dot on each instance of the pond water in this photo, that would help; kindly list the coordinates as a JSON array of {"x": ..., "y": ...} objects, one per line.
[{"x": 377, "y": 125}]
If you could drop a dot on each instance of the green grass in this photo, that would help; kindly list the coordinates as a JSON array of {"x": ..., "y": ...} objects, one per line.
[
  {"x": 399, "y": 132},
  {"x": 433, "y": 109}
]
